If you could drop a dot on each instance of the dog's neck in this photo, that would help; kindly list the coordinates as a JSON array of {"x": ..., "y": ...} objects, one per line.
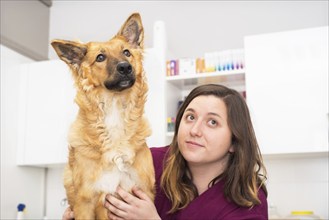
[
  {"x": 112, "y": 117},
  {"x": 99, "y": 106}
]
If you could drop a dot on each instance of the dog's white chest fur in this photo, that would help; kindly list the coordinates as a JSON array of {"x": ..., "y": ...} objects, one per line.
[
  {"x": 110, "y": 180},
  {"x": 113, "y": 120},
  {"x": 119, "y": 155}
]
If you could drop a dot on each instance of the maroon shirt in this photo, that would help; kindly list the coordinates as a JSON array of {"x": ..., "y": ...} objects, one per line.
[{"x": 211, "y": 204}]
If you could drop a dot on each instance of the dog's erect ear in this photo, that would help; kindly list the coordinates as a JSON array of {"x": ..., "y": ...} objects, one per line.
[
  {"x": 133, "y": 30},
  {"x": 69, "y": 51}
]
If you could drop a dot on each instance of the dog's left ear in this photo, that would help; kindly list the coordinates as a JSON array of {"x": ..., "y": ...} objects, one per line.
[
  {"x": 69, "y": 51},
  {"x": 132, "y": 30}
]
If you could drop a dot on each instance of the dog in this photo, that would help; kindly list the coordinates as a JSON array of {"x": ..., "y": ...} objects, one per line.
[{"x": 107, "y": 141}]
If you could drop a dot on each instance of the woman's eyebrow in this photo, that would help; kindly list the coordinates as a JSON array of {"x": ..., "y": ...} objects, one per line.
[
  {"x": 189, "y": 110},
  {"x": 215, "y": 114},
  {"x": 210, "y": 113}
]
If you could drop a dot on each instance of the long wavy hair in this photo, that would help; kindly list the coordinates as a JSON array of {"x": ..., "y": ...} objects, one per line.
[{"x": 245, "y": 172}]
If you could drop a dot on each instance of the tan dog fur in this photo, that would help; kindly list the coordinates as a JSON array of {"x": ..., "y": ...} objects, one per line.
[{"x": 107, "y": 145}]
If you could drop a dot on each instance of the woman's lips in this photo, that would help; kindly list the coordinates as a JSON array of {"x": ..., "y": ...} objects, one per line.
[{"x": 193, "y": 144}]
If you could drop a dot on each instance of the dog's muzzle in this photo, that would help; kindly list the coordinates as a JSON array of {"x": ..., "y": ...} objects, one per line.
[{"x": 124, "y": 79}]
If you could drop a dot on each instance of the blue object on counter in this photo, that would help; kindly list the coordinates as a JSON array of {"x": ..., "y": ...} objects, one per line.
[{"x": 21, "y": 207}]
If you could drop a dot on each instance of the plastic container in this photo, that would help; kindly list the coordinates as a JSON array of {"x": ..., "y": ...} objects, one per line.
[
  {"x": 20, "y": 211},
  {"x": 273, "y": 213},
  {"x": 303, "y": 215}
]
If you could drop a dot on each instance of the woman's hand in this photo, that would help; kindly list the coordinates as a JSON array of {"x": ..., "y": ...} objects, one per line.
[
  {"x": 137, "y": 206},
  {"x": 68, "y": 214}
]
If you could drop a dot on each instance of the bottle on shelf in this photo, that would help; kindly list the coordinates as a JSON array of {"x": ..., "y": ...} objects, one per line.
[{"x": 227, "y": 60}]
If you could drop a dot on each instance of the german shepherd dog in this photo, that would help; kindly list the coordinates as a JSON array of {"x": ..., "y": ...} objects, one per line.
[{"x": 107, "y": 141}]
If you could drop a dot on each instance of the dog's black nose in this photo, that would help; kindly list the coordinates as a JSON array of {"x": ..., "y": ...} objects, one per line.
[{"x": 124, "y": 68}]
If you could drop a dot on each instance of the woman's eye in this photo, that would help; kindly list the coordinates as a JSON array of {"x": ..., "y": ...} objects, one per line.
[
  {"x": 190, "y": 117},
  {"x": 100, "y": 58},
  {"x": 127, "y": 53},
  {"x": 213, "y": 122}
]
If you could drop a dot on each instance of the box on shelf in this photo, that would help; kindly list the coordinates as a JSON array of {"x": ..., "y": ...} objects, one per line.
[
  {"x": 200, "y": 65},
  {"x": 187, "y": 66},
  {"x": 172, "y": 67}
]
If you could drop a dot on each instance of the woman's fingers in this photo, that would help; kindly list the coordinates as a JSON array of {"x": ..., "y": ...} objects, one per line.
[
  {"x": 116, "y": 203},
  {"x": 113, "y": 217},
  {"x": 127, "y": 197},
  {"x": 116, "y": 212},
  {"x": 140, "y": 194},
  {"x": 130, "y": 206}
]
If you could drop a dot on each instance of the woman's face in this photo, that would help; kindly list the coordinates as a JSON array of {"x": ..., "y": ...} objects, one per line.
[{"x": 203, "y": 135}]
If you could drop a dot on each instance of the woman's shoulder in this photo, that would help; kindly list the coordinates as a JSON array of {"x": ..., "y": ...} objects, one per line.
[
  {"x": 158, "y": 154},
  {"x": 159, "y": 151},
  {"x": 256, "y": 212}
]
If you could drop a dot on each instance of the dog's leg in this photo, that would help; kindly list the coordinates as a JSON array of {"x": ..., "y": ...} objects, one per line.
[
  {"x": 84, "y": 211},
  {"x": 68, "y": 185},
  {"x": 144, "y": 168},
  {"x": 101, "y": 211},
  {"x": 85, "y": 205}
]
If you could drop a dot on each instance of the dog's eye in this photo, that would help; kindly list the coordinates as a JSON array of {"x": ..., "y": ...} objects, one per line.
[
  {"x": 127, "y": 53},
  {"x": 100, "y": 58}
]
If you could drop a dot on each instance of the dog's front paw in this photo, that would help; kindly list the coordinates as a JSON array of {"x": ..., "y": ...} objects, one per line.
[{"x": 121, "y": 164}]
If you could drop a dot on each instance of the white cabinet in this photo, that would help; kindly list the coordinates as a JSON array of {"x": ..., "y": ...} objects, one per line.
[
  {"x": 287, "y": 90},
  {"x": 46, "y": 110}
]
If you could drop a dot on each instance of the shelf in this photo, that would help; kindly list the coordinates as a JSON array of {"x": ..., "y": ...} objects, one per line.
[
  {"x": 170, "y": 133},
  {"x": 233, "y": 78},
  {"x": 295, "y": 155},
  {"x": 205, "y": 75}
]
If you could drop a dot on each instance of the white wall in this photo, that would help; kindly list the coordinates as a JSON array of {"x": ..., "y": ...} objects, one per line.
[
  {"x": 55, "y": 193},
  {"x": 18, "y": 184},
  {"x": 192, "y": 27},
  {"x": 298, "y": 183}
]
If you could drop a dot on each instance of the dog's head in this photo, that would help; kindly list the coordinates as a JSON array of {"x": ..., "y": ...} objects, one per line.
[{"x": 113, "y": 65}]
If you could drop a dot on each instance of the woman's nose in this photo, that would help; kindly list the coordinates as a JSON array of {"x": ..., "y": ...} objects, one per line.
[{"x": 196, "y": 129}]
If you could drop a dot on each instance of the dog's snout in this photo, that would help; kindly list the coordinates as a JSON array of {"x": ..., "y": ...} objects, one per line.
[{"x": 124, "y": 68}]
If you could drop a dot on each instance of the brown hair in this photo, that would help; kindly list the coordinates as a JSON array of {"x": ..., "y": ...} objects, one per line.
[{"x": 245, "y": 172}]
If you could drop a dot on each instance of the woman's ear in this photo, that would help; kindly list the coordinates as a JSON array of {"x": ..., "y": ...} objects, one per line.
[{"x": 231, "y": 149}]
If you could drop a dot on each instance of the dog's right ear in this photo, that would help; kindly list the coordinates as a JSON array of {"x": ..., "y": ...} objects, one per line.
[
  {"x": 132, "y": 30},
  {"x": 69, "y": 51}
]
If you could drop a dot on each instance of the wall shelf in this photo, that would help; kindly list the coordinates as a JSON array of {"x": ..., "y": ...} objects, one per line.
[{"x": 230, "y": 78}]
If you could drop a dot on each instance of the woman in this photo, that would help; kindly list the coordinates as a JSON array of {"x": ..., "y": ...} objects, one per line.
[{"x": 213, "y": 168}]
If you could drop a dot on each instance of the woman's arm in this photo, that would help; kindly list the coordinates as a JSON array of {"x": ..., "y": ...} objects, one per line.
[{"x": 137, "y": 206}]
